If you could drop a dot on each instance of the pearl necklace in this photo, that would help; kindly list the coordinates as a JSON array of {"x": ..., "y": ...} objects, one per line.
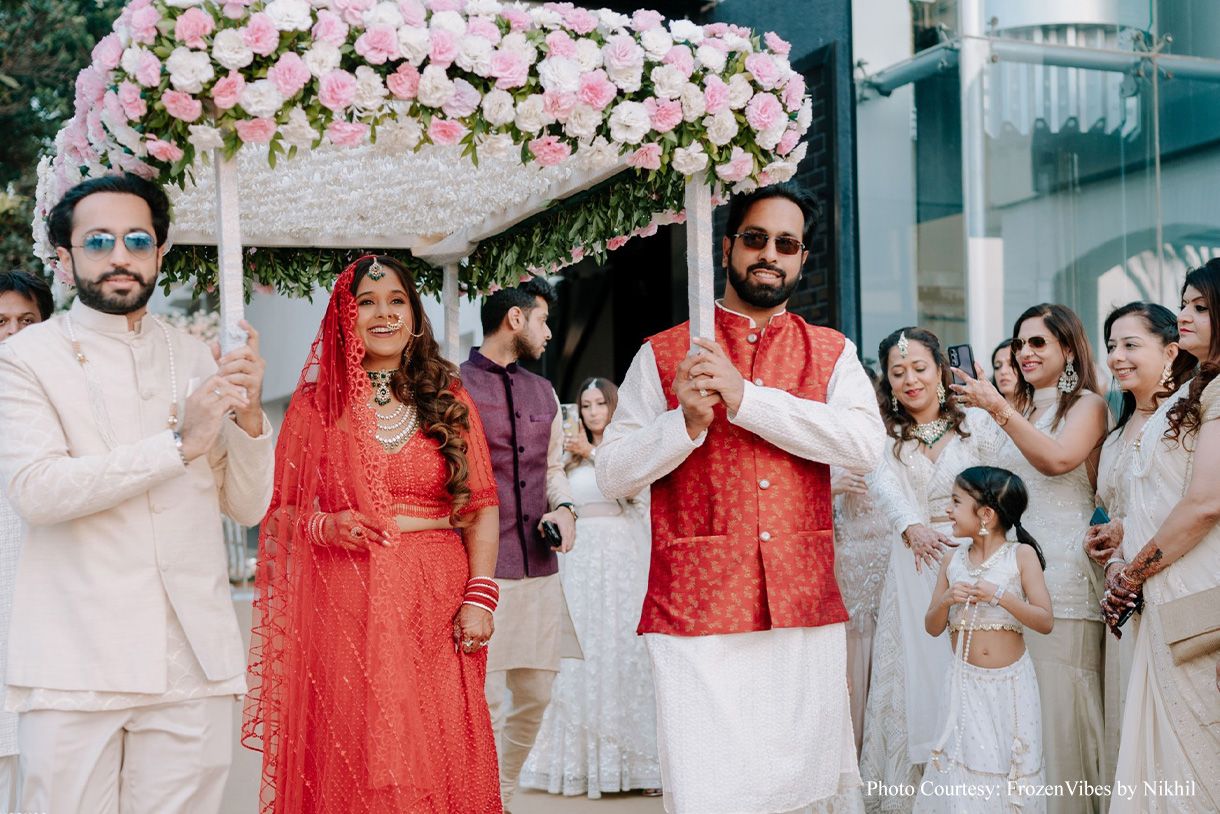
[
  {"x": 987, "y": 563},
  {"x": 405, "y": 419},
  {"x": 933, "y": 431}
]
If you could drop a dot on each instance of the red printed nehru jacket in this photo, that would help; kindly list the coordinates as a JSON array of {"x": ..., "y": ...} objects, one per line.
[{"x": 742, "y": 532}]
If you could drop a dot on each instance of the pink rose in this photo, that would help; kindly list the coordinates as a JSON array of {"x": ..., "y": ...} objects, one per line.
[
  {"x": 330, "y": 28},
  {"x": 182, "y": 105},
  {"x": 163, "y": 150},
  {"x": 143, "y": 24},
  {"x": 737, "y": 168},
  {"x": 236, "y": 9},
  {"x": 482, "y": 27},
  {"x": 646, "y": 19},
  {"x": 337, "y": 89},
  {"x": 346, "y": 134},
  {"x": 789, "y": 141},
  {"x": 715, "y": 94},
  {"x": 353, "y": 10},
  {"x": 765, "y": 180},
  {"x": 413, "y": 12},
  {"x": 404, "y": 83},
  {"x": 90, "y": 88},
  {"x": 93, "y": 124},
  {"x": 379, "y": 44},
  {"x": 260, "y": 34},
  {"x": 558, "y": 105},
  {"x": 794, "y": 93},
  {"x": 447, "y": 5},
  {"x": 596, "y": 90},
  {"x": 509, "y": 69},
  {"x": 559, "y": 43},
  {"x": 108, "y": 52},
  {"x": 255, "y": 131},
  {"x": 763, "y": 69},
  {"x": 647, "y": 157},
  {"x": 716, "y": 29},
  {"x": 148, "y": 73},
  {"x": 289, "y": 74},
  {"x": 445, "y": 131},
  {"x": 131, "y": 100},
  {"x": 464, "y": 101},
  {"x": 192, "y": 26},
  {"x": 665, "y": 114},
  {"x": 226, "y": 93},
  {"x": 444, "y": 47},
  {"x": 617, "y": 242},
  {"x": 111, "y": 104},
  {"x": 580, "y": 20},
  {"x": 647, "y": 231},
  {"x": 776, "y": 44},
  {"x": 549, "y": 151},
  {"x": 518, "y": 20},
  {"x": 763, "y": 111},
  {"x": 739, "y": 30},
  {"x": 621, "y": 52},
  {"x": 681, "y": 58},
  {"x": 680, "y": 217}
]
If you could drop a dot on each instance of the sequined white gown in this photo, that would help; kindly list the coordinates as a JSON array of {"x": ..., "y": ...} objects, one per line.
[
  {"x": 599, "y": 733},
  {"x": 901, "y": 723}
]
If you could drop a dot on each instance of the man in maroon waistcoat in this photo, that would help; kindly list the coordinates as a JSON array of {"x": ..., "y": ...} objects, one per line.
[
  {"x": 743, "y": 618},
  {"x": 520, "y": 414}
]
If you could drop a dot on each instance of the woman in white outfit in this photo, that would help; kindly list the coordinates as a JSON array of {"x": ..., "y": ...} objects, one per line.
[
  {"x": 599, "y": 734},
  {"x": 1055, "y": 431},
  {"x": 932, "y": 440},
  {"x": 1169, "y": 753}
]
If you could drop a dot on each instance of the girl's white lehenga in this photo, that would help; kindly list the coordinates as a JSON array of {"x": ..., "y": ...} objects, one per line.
[
  {"x": 1171, "y": 723},
  {"x": 1068, "y": 660},
  {"x": 908, "y": 671},
  {"x": 599, "y": 733}
]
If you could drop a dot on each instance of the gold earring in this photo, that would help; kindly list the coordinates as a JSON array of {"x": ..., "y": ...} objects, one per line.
[
  {"x": 1167, "y": 375},
  {"x": 983, "y": 532}
]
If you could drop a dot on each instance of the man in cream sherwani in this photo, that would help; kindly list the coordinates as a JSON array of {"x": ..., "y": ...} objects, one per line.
[{"x": 120, "y": 455}]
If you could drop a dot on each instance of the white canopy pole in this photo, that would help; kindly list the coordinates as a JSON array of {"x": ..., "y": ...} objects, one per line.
[
  {"x": 450, "y": 302},
  {"x": 228, "y": 254},
  {"x": 700, "y": 268}
]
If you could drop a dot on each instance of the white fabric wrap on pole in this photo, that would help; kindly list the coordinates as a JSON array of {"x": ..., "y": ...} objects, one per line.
[
  {"x": 450, "y": 301},
  {"x": 700, "y": 269},
  {"x": 228, "y": 254}
]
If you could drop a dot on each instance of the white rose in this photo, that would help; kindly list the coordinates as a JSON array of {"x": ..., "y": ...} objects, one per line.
[
  {"x": 498, "y": 107},
  {"x": 545, "y": 18},
  {"x": 451, "y": 21},
  {"x": 693, "y": 103},
  {"x": 736, "y": 42},
  {"x": 517, "y": 42},
  {"x": 711, "y": 58},
  {"x": 805, "y": 117},
  {"x": 322, "y": 58},
  {"x": 588, "y": 54},
  {"x": 768, "y": 139},
  {"x": 435, "y": 87},
  {"x": 483, "y": 8},
  {"x": 183, "y": 3},
  {"x": 628, "y": 79},
  {"x": 400, "y": 135},
  {"x": 721, "y": 128},
  {"x": 130, "y": 62},
  {"x": 189, "y": 70},
  {"x": 298, "y": 132},
  {"x": 783, "y": 65},
  {"x": 261, "y": 99},
  {"x": 496, "y": 145},
  {"x": 740, "y": 91},
  {"x": 124, "y": 134},
  {"x": 602, "y": 153},
  {"x": 687, "y": 31},
  {"x": 230, "y": 50},
  {"x": 667, "y": 81},
  {"x": 583, "y": 122},
  {"x": 745, "y": 186},
  {"x": 531, "y": 115},
  {"x": 656, "y": 42},
  {"x": 370, "y": 90},
  {"x": 690, "y": 160},
  {"x": 798, "y": 153},
  {"x": 415, "y": 43},
  {"x": 780, "y": 171},
  {"x": 474, "y": 55},
  {"x": 611, "y": 21},
  {"x": 205, "y": 137},
  {"x": 290, "y": 15},
  {"x": 559, "y": 74},
  {"x": 383, "y": 14},
  {"x": 629, "y": 123}
]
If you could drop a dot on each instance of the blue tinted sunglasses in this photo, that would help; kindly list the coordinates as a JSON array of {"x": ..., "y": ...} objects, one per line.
[{"x": 101, "y": 244}]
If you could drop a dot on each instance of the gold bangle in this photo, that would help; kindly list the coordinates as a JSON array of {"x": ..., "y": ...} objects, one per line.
[
  {"x": 1004, "y": 415},
  {"x": 1122, "y": 574}
]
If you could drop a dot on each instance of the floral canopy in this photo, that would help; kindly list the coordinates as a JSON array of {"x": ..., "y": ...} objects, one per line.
[{"x": 508, "y": 138}]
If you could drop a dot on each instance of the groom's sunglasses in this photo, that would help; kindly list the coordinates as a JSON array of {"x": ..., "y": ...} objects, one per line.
[
  {"x": 100, "y": 244},
  {"x": 757, "y": 241}
]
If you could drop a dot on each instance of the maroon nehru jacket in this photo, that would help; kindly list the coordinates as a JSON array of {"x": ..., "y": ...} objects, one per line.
[{"x": 517, "y": 408}]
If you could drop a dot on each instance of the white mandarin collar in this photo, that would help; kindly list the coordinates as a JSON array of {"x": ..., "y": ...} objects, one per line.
[
  {"x": 753, "y": 324},
  {"x": 114, "y": 324}
]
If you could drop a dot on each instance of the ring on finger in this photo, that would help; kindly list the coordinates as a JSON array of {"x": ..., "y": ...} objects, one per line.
[
  {"x": 702, "y": 393},
  {"x": 357, "y": 532},
  {"x": 216, "y": 392}
]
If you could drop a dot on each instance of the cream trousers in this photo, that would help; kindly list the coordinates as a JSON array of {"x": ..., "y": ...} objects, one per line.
[{"x": 516, "y": 728}]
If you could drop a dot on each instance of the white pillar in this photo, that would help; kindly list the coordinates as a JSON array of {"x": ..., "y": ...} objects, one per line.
[
  {"x": 228, "y": 254},
  {"x": 450, "y": 301},
  {"x": 700, "y": 268}
]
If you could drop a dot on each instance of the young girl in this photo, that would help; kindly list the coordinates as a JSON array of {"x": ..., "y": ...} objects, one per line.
[{"x": 989, "y": 756}]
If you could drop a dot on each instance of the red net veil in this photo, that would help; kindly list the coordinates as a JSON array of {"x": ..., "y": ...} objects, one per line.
[{"x": 358, "y": 701}]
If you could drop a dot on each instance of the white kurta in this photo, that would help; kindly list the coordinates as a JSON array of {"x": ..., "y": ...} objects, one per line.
[{"x": 749, "y": 723}]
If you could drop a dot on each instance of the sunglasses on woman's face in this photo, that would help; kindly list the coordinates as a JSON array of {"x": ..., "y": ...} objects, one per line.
[
  {"x": 100, "y": 244},
  {"x": 1035, "y": 342},
  {"x": 757, "y": 241}
]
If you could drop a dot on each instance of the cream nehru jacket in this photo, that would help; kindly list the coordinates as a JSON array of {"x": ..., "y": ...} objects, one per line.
[{"x": 115, "y": 533}]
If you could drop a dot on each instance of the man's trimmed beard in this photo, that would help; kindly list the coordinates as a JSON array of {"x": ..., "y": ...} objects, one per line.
[
  {"x": 758, "y": 295},
  {"x": 524, "y": 350},
  {"x": 90, "y": 293}
]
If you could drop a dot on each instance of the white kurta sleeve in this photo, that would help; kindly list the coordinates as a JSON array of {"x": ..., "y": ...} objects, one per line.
[
  {"x": 243, "y": 468},
  {"x": 886, "y": 488},
  {"x": 645, "y": 441},
  {"x": 844, "y": 431}
]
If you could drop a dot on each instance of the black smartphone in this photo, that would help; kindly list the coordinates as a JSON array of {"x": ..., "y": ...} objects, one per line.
[
  {"x": 1127, "y": 612},
  {"x": 962, "y": 358},
  {"x": 550, "y": 533},
  {"x": 1099, "y": 517}
]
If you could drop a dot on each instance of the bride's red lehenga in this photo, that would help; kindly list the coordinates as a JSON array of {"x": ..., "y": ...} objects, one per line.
[{"x": 358, "y": 699}]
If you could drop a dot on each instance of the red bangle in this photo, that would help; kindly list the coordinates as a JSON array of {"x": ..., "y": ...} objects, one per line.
[{"x": 482, "y": 592}]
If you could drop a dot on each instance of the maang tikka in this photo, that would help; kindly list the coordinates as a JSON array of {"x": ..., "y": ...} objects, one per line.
[
  {"x": 902, "y": 344},
  {"x": 376, "y": 270}
]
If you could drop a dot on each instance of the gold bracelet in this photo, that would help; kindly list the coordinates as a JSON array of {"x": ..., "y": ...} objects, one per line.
[
  {"x": 1003, "y": 417},
  {"x": 1122, "y": 574}
]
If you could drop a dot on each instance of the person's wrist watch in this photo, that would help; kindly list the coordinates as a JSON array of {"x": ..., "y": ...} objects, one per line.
[
  {"x": 568, "y": 505},
  {"x": 999, "y": 594}
]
